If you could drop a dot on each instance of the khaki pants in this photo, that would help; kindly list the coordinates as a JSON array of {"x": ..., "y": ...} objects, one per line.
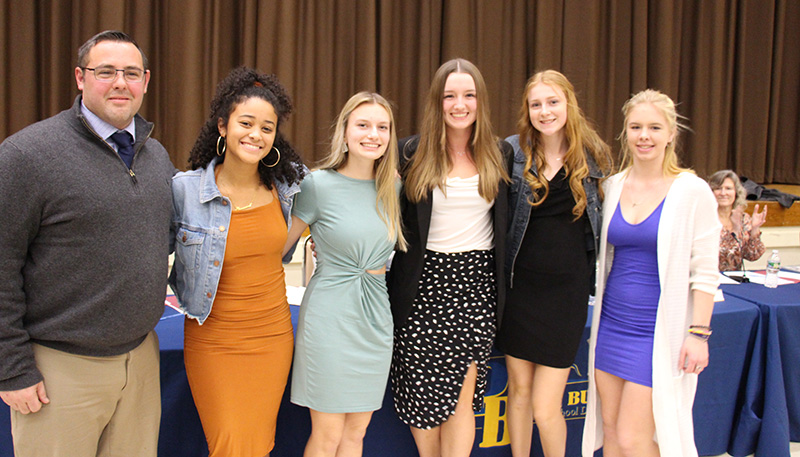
[{"x": 99, "y": 406}]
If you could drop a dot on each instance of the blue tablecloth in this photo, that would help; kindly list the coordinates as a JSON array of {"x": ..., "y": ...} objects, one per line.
[
  {"x": 720, "y": 388},
  {"x": 770, "y": 416},
  {"x": 721, "y": 394}
]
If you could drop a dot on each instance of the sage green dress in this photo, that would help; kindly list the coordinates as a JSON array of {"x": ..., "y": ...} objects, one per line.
[{"x": 343, "y": 346}]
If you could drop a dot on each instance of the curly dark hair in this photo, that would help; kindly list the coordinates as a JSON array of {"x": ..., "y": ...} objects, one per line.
[{"x": 241, "y": 84}]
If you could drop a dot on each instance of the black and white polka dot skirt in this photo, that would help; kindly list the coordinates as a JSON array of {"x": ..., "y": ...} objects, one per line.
[{"x": 451, "y": 325}]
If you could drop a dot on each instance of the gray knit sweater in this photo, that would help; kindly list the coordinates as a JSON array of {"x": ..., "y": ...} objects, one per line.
[{"x": 83, "y": 245}]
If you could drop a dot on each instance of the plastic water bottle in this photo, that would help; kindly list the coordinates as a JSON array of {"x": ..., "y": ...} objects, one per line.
[{"x": 773, "y": 267}]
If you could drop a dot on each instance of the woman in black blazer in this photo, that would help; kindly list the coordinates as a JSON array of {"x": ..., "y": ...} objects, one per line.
[{"x": 447, "y": 289}]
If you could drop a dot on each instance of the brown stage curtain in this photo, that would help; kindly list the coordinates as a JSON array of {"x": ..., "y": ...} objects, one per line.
[{"x": 732, "y": 65}]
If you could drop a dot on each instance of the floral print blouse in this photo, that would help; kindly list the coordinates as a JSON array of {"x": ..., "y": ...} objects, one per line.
[{"x": 731, "y": 251}]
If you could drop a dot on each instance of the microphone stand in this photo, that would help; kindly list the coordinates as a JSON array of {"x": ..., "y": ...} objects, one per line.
[{"x": 744, "y": 277}]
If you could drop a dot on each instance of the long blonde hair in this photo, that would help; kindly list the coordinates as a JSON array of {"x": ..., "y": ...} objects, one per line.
[
  {"x": 386, "y": 202},
  {"x": 581, "y": 139},
  {"x": 430, "y": 165},
  {"x": 666, "y": 106}
]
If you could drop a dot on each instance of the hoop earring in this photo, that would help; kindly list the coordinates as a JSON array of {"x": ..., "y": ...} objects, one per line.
[
  {"x": 276, "y": 161},
  {"x": 219, "y": 153}
]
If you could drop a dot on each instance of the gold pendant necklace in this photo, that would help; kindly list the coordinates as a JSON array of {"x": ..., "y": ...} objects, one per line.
[
  {"x": 247, "y": 206},
  {"x": 221, "y": 186}
]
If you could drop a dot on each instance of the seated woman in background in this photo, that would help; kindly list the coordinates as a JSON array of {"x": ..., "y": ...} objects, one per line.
[{"x": 741, "y": 234}]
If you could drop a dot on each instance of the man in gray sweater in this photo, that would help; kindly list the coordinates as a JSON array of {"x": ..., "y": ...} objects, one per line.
[{"x": 86, "y": 206}]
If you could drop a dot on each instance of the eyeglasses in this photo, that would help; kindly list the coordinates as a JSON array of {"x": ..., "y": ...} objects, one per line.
[{"x": 109, "y": 73}]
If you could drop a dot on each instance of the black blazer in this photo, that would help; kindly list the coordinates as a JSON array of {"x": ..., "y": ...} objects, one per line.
[{"x": 404, "y": 276}]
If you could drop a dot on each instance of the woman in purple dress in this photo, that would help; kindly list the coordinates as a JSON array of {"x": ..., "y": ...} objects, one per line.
[{"x": 656, "y": 282}]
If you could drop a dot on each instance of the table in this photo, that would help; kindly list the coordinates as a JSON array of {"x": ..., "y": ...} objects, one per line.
[
  {"x": 770, "y": 416},
  {"x": 720, "y": 396},
  {"x": 721, "y": 386}
]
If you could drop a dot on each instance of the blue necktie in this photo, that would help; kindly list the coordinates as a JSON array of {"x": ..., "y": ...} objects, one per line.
[{"x": 124, "y": 142}]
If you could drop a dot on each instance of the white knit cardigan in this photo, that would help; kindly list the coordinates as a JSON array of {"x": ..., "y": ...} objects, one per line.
[{"x": 688, "y": 247}]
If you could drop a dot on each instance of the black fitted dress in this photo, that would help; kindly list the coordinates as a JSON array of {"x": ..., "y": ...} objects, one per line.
[{"x": 546, "y": 307}]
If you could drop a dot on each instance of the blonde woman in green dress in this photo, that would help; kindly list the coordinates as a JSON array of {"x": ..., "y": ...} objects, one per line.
[{"x": 344, "y": 336}]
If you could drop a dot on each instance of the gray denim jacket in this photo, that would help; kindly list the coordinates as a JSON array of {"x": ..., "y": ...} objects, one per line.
[
  {"x": 520, "y": 210},
  {"x": 199, "y": 233}
]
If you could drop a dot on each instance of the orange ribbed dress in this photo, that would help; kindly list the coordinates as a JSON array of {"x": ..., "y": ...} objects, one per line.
[{"x": 238, "y": 361}]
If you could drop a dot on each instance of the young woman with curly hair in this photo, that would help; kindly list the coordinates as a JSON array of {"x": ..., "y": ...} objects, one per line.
[
  {"x": 230, "y": 223},
  {"x": 554, "y": 232},
  {"x": 447, "y": 290}
]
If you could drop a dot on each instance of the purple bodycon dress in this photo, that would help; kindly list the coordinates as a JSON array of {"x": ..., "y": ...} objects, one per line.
[{"x": 630, "y": 300}]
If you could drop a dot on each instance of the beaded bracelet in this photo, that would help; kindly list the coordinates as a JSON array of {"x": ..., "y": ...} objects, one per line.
[
  {"x": 705, "y": 327},
  {"x": 700, "y": 332}
]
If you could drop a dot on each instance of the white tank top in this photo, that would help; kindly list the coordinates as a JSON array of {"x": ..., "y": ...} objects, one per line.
[{"x": 461, "y": 221}]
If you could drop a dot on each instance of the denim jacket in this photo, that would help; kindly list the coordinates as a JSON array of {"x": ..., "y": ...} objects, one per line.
[
  {"x": 520, "y": 210},
  {"x": 198, "y": 235}
]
